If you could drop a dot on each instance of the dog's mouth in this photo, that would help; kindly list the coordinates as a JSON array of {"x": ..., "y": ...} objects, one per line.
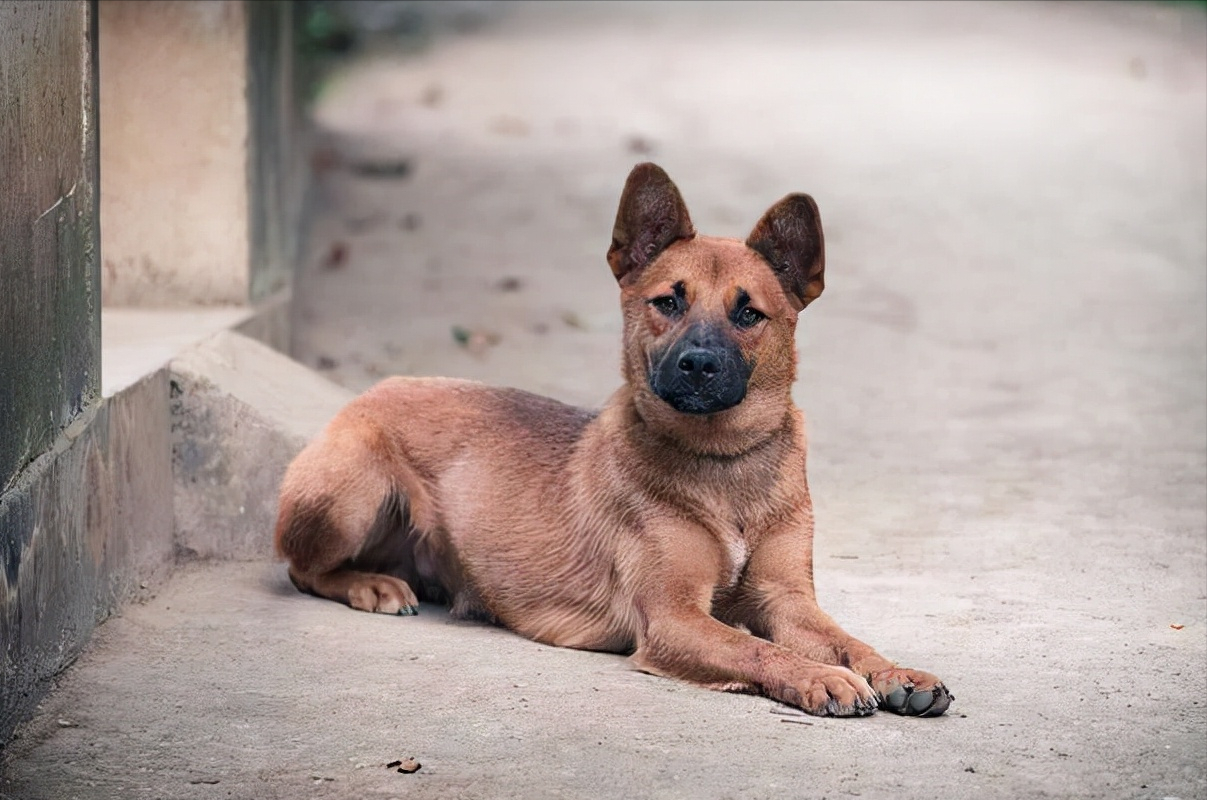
[
  {"x": 699, "y": 404},
  {"x": 700, "y": 378}
]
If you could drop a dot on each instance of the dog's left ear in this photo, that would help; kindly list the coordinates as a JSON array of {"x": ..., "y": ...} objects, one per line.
[
  {"x": 652, "y": 215},
  {"x": 789, "y": 237}
]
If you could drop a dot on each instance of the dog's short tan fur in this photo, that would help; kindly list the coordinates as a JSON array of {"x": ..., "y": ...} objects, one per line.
[{"x": 684, "y": 539}]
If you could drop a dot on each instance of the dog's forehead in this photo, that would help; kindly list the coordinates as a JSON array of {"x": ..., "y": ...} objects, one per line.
[{"x": 711, "y": 265}]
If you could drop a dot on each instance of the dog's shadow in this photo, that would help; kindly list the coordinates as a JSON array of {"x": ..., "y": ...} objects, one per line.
[{"x": 274, "y": 580}]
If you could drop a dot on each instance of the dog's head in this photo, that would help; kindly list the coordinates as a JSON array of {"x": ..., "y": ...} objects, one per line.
[{"x": 710, "y": 323}]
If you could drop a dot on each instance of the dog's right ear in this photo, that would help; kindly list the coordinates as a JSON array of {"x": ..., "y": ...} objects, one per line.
[{"x": 652, "y": 215}]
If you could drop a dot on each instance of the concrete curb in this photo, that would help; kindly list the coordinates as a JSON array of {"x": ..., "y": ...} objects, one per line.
[
  {"x": 240, "y": 412},
  {"x": 182, "y": 463},
  {"x": 88, "y": 527}
]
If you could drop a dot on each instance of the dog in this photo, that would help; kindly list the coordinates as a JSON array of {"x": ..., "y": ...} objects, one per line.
[{"x": 673, "y": 525}]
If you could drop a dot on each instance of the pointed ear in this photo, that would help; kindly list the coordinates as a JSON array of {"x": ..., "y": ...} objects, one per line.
[
  {"x": 789, "y": 237},
  {"x": 652, "y": 215}
]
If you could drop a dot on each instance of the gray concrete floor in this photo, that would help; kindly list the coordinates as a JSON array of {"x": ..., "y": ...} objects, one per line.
[{"x": 1006, "y": 383}]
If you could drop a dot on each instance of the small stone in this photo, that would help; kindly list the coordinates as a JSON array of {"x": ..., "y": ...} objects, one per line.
[
  {"x": 432, "y": 96},
  {"x": 640, "y": 145},
  {"x": 408, "y": 766},
  {"x": 337, "y": 256}
]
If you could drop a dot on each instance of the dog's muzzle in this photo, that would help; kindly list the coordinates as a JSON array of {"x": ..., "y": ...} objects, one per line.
[{"x": 701, "y": 373}]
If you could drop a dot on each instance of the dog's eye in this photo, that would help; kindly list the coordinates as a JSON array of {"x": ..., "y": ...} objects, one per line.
[
  {"x": 667, "y": 305},
  {"x": 748, "y": 317}
]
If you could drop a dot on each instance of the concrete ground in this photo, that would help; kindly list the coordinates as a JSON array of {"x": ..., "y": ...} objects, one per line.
[{"x": 1006, "y": 383}]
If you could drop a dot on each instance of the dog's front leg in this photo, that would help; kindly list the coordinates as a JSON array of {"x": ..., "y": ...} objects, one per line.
[
  {"x": 679, "y": 638},
  {"x": 778, "y": 602}
]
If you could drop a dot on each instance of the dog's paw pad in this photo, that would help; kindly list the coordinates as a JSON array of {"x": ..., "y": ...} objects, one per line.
[
  {"x": 912, "y": 694},
  {"x": 910, "y": 702}
]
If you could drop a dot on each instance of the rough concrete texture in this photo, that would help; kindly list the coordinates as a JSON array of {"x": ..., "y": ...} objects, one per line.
[
  {"x": 49, "y": 316},
  {"x": 87, "y": 527},
  {"x": 1006, "y": 382},
  {"x": 240, "y": 412}
]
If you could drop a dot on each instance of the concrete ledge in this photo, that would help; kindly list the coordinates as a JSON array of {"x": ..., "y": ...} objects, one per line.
[
  {"x": 140, "y": 341},
  {"x": 87, "y": 526},
  {"x": 98, "y": 520},
  {"x": 240, "y": 412}
]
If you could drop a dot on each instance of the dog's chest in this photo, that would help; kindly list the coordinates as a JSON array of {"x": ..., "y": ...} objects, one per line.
[
  {"x": 734, "y": 526},
  {"x": 737, "y": 551},
  {"x": 732, "y": 534}
]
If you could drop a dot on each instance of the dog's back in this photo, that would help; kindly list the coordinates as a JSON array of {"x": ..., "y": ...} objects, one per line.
[{"x": 396, "y": 463}]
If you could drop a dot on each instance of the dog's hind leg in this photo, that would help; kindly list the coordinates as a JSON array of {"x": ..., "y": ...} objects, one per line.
[{"x": 329, "y": 518}]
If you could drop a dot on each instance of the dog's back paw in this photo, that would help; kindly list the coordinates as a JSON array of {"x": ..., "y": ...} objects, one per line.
[
  {"x": 365, "y": 591},
  {"x": 383, "y": 594}
]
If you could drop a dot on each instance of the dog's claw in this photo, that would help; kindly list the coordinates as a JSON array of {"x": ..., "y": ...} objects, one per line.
[
  {"x": 408, "y": 611},
  {"x": 860, "y": 708}
]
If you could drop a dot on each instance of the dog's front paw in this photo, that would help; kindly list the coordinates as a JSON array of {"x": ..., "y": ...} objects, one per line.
[
  {"x": 911, "y": 692},
  {"x": 833, "y": 692}
]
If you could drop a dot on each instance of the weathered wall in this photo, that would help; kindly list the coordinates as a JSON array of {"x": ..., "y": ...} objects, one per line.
[
  {"x": 197, "y": 119},
  {"x": 174, "y": 112},
  {"x": 199, "y": 154},
  {"x": 276, "y": 173},
  {"x": 49, "y": 310},
  {"x": 83, "y": 527}
]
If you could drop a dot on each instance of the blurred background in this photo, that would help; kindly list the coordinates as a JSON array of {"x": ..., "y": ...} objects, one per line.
[{"x": 1013, "y": 196}]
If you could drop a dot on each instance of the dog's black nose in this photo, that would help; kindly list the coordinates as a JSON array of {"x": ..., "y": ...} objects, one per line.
[
  {"x": 702, "y": 373},
  {"x": 698, "y": 365}
]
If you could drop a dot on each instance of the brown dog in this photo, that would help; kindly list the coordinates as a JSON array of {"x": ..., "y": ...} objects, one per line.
[{"x": 675, "y": 524}]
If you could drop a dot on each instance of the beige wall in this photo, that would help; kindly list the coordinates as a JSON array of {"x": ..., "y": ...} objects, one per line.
[{"x": 174, "y": 152}]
